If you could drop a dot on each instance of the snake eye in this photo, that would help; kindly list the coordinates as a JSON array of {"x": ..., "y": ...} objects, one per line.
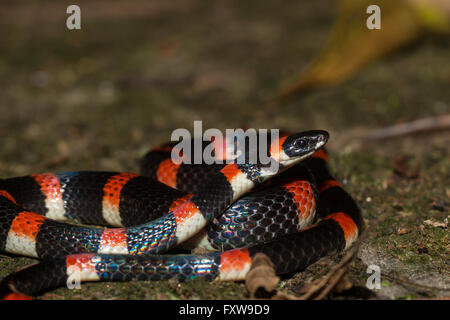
[{"x": 301, "y": 144}]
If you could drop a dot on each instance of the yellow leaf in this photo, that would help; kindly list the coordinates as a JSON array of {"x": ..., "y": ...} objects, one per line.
[{"x": 352, "y": 45}]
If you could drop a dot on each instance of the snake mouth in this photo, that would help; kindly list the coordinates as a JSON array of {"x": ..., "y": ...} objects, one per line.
[
  {"x": 318, "y": 138},
  {"x": 322, "y": 139}
]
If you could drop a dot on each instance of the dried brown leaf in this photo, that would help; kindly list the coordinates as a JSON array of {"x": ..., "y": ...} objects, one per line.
[
  {"x": 343, "y": 285},
  {"x": 437, "y": 224},
  {"x": 352, "y": 45},
  {"x": 401, "y": 231},
  {"x": 261, "y": 280},
  {"x": 422, "y": 230},
  {"x": 401, "y": 169}
]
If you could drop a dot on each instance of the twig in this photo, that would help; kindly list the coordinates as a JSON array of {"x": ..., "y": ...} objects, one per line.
[
  {"x": 441, "y": 122},
  {"x": 413, "y": 284},
  {"x": 342, "y": 265},
  {"x": 337, "y": 271},
  {"x": 335, "y": 279}
]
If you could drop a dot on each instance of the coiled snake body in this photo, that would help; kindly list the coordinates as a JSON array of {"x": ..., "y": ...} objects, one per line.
[{"x": 207, "y": 210}]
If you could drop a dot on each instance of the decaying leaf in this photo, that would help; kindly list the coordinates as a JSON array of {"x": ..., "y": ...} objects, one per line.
[
  {"x": 351, "y": 44},
  {"x": 343, "y": 285},
  {"x": 403, "y": 170},
  {"x": 307, "y": 287},
  {"x": 261, "y": 279},
  {"x": 402, "y": 231},
  {"x": 437, "y": 224},
  {"x": 422, "y": 230}
]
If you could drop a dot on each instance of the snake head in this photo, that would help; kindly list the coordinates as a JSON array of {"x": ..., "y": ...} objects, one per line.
[{"x": 298, "y": 146}]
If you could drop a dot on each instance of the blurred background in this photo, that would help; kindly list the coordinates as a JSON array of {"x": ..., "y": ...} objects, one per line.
[{"x": 98, "y": 98}]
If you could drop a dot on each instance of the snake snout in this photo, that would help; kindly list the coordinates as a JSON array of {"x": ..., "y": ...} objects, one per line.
[
  {"x": 318, "y": 139},
  {"x": 304, "y": 143}
]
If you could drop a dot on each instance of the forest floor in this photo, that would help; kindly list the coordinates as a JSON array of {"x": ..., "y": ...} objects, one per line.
[{"x": 99, "y": 98}]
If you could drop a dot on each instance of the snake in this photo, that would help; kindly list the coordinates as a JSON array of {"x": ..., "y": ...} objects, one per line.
[{"x": 294, "y": 212}]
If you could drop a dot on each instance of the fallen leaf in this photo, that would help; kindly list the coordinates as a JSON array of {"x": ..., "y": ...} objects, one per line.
[
  {"x": 422, "y": 230},
  {"x": 437, "y": 224},
  {"x": 401, "y": 169},
  {"x": 343, "y": 285},
  {"x": 305, "y": 288},
  {"x": 401, "y": 231},
  {"x": 352, "y": 45},
  {"x": 261, "y": 279}
]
